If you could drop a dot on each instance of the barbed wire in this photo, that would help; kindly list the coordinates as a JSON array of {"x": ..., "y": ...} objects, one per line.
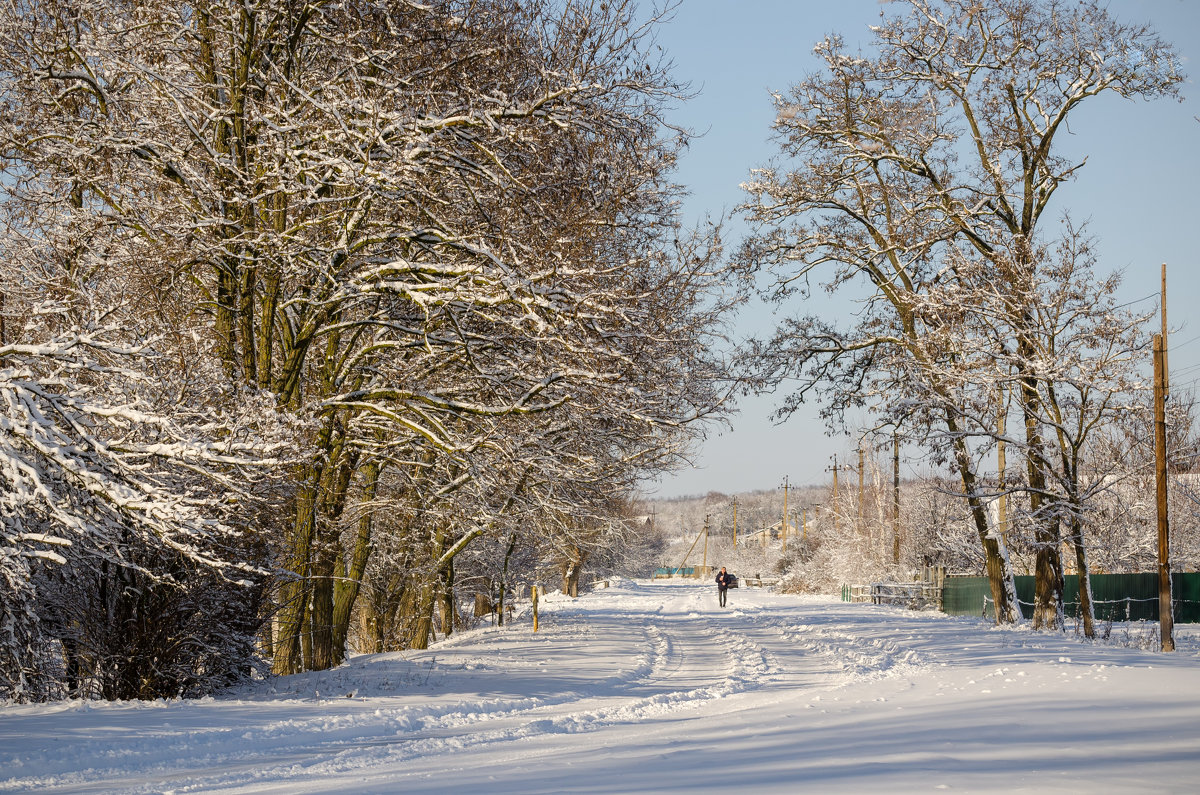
[{"x": 1127, "y": 601}]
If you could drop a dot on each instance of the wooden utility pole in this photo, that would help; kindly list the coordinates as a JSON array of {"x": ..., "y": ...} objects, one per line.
[
  {"x": 859, "y": 527},
  {"x": 1163, "y": 307},
  {"x": 835, "y": 495},
  {"x": 735, "y": 522},
  {"x": 895, "y": 498},
  {"x": 783, "y": 525},
  {"x": 803, "y": 524},
  {"x": 1166, "y": 619},
  {"x": 693, "y": 546},
  {"x": 1162, "y": 387},
  {"x": 704, "y": 558}
]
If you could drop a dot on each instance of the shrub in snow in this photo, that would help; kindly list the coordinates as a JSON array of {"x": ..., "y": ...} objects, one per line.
[{"x": 122, "y": 570}]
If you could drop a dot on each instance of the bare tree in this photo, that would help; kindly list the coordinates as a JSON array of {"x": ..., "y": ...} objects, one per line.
[
  {"x": 441, "y": 236},
  {"x": 1085, "y": 360},
  {"x": 944, "y": 137}
]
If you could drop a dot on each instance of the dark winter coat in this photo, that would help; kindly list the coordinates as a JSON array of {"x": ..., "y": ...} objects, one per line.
[{"x": 724, "y": 580}]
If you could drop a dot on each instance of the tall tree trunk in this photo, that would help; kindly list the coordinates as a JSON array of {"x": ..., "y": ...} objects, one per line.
[
  {"x": 423, "y": 613},
  {"x": 345, "y": 590},
  {"x": 225, "y": 320},
  {"x": 571, "y": 570},
  {"x": 449, "y": 609},
  {"x": 329, "y": 546},
  {"x": 312, "y": 506},
  {"x": 512, "y": 544},
  {"x": 323, "y": 649},
  {"x": 1048, "y": 575},
  {"x": 293, "y": 593},
  {"x": 306, "y": 647},
  {"x": 370, "y": 627},
  {"x": 247, "y": 285},
  {"x": 996, "y": 562},
  {"x": 1069, "y": 457},
  {"x": 1086, "y": 606},
  {"x": 1048, "y": 582},
  {"x": 427, "y": 589}
]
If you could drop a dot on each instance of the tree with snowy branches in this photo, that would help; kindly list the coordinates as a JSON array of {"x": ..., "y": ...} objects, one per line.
[
  {"x": 102, "y": 480},
  {"x": 441, "y": 235},
  {"x": 942, "y": 139}
]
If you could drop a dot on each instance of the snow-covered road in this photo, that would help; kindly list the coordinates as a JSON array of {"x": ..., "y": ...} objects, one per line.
[{"x": 652, "y": 688}]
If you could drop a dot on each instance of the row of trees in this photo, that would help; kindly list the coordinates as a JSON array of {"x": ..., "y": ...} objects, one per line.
[
  {"x": 310, "y": 308},
  {"x": 310, "y": 311},
  {"x": 918, "y": 179},
  {"x": 857, "y": 536}
]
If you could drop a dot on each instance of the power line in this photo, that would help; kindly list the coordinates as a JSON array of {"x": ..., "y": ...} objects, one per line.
[
  {"x": 1137, "y": 300},
  {"x": 1183, "y": 372},
  {"x": 1179, "y": 345}
]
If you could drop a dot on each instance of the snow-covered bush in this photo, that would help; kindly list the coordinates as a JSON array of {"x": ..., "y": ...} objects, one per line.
[{"x": 118, "y": 517}]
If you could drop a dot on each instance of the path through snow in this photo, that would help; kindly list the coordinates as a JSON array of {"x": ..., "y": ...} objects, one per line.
[{"x": 652, "y": 688}]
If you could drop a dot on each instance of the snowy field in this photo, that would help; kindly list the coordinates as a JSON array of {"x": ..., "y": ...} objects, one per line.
[{"x": 652, "y": 688}]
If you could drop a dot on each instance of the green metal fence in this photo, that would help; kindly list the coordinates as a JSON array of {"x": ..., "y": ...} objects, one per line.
[{"x": 1117, "y": 597}]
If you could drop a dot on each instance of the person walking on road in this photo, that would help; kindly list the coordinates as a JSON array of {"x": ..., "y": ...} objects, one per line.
[{"x": 724, "y": 580}]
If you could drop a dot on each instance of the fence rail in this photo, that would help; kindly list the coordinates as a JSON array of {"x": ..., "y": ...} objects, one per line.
[
  {"x": 757, "y": 582},
  {"x": 914, "y": 595},
  {"x": 1116, "y": 597},
  {"x": 691, "y": 572},
  {"x": 922, "y": 594}
]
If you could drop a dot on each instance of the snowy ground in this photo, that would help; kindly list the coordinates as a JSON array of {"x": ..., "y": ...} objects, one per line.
[{"x": 652, "y": 688}]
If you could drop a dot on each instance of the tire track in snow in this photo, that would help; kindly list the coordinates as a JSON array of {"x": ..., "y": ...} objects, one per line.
[
  {"x": 301, "y": 737},
  {"x": 671, "y": 655},
  {"x": 330, "y": 745},
  {"x": 746, "y": 667},
  {"x": 856, "y": 656}
]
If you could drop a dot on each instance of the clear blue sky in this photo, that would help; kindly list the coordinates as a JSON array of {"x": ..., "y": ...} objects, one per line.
[{"x": 1138, "y": 189}]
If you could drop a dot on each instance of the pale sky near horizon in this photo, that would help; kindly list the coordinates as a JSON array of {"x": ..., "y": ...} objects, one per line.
[{"x": 1138, "y": 191}]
